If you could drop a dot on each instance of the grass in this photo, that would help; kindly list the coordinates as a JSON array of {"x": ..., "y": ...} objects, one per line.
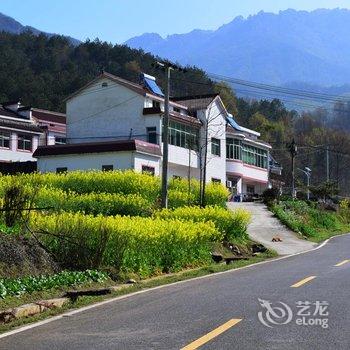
[
  {"x": 310, "y": 221},
  {"x": 141, "y": 285}
]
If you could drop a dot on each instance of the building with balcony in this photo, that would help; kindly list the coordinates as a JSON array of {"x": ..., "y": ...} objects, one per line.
[{"x": 112, "y": 123}]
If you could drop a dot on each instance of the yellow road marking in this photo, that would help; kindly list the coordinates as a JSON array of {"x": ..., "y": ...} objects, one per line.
[
  {"x": 214, "y": 333},
  {"x": 303, "y": 281},
  {"x": 342, "y": 262}
]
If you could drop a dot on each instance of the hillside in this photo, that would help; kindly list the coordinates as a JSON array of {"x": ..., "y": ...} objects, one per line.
[
  {"x": 292, "y": 46},
  {"x": 43, "y": 70}
]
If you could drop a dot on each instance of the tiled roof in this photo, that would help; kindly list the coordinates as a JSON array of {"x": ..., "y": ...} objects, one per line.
[
  {"x": 7, "y": 113},
  {"x": 50, "y": 116},
  {"x": 129, "y": 84},
  {"x": 98, "y": 147},
  {"x": 196, "y": 102},
  {"x": 19, "y": 125},
  {"x": 184, "y": 118}
]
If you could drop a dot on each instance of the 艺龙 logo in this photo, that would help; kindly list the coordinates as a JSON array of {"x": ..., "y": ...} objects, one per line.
[{"x": 274, "y": 315}]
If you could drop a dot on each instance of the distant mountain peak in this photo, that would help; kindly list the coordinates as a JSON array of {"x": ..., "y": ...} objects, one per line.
[
  {"x": 289, "y": 46},
  {"x": 10, "y": 25}
]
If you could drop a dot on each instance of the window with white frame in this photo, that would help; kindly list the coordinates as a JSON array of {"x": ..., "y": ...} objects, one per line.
[
  {"x": 183, "y": 135},
  {"x": 233, "y": 149},
  {"x": 24, "y": 142},
  {"x": 152, "y": 136},
  {"x": 5, "y": 138},
  {"x": 215, "y": 147},
  {"x": 254, "y": 156}
]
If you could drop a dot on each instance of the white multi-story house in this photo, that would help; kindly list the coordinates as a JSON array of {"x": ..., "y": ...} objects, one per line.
[
  {"x": 19, "y": 135},
  {"x": 113, "y": 123},
  {"x": 22, "y": 129}
]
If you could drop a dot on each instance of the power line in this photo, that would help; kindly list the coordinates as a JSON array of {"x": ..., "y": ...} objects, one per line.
[{"x": 289, "y": 91}]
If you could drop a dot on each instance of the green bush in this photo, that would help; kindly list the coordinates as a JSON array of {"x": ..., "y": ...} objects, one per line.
[
  {"x": 30, "y": 284},
  {"x": 216, "y": 194},
  {"x": 94, "y": 203},
  {"x": 232, "y": 224},
  {"x": 306, "y": 218},
  {"x": 179, "y": 194},
  {"x": 130, "y": 244}
]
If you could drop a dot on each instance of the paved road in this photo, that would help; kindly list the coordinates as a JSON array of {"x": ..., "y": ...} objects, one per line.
[
  {"x": 222, "y": 308},
  {"x": 265, "y": 226}
]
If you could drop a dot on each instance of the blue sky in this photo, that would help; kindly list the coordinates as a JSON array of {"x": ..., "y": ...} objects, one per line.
[{"x": 119, "y": 20}]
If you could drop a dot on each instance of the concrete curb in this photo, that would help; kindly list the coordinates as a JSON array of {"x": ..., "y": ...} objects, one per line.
[
  {"x": 40, "y": 306},
  {"x": 31, "y": 309}
]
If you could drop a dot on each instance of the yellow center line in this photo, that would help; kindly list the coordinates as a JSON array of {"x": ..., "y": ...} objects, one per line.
[
  {"x": 303, "y": 281},
  {"x": 342, "y": 262},
  {"x": 214, "y": 333}
]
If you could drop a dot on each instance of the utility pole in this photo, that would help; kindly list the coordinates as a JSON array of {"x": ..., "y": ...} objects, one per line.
[
  {"x": 167, "y": 67},
  {"x": 327, "y": 163},
  {"x": 164, "y": 198},
  {"x": 293, "y": 152}
]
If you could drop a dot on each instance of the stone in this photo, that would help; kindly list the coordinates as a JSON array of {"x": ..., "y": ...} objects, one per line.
[
  {"x": 130, "y": 281},
  {"x": 53, "y": 303}
]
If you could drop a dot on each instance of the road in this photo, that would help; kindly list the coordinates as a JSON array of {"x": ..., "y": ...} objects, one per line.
[{"x": 218, "y": 312}]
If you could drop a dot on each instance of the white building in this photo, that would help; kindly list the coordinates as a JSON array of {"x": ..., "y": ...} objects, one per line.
[
  {"x": 19, "y": 135},
  {"x": 113, "y": 123}
]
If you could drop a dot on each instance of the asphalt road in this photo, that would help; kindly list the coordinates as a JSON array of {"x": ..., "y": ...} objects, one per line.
[{"x": 219, "y": 312}]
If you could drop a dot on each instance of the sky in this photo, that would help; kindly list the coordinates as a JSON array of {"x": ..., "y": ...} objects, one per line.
[{"x": 118, "y": 20}]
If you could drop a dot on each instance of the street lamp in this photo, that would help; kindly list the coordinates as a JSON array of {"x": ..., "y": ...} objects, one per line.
[{"x": 307, "y": 172}]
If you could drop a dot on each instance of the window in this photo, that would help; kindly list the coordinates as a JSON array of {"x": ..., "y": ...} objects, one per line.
[
  {"x": 152, "y": 135},
  {"x": 61, "y": 170},
  {"x": 214, "y": 180},
  {"x": 148, "y": 169},
  {"x": 215, "y": 147},
  {"x": 254, "y": 156},
  {"x": 5, "y": 139},
  {"x": 155, "y": 104},
  {"x": 104, "y": 84},
  {"x": 24, "y": 142},
  {"x": 182, "y": 135},
  {"x": 176, "y": 109},
  {"x": 107, "y": 167},
  {"x": 233, "y": 149},
  {"x": 60, "y": 140}
]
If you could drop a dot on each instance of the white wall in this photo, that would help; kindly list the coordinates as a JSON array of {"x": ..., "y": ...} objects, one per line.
[
  {"x": 141, "y": 159},
  {"x": 181, "y": 156},
  {"x": 182, "y": 171},
  {"x": 94, "y": 161},
  {"x": 214, "y": 116},
  {"x": 111, "y": 111},
  {"x": 15, "y": 155},
  {"x": 250, "y": 172}
]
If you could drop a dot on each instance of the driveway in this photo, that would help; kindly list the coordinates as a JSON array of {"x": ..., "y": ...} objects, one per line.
[{"x": 265, "y": 226}]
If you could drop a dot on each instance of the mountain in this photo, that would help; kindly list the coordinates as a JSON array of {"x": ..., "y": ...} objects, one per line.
[
  {"x": 290, "y": 47},
  {"x": 42, "y": 71},
  {"x": 10, "y": 25}
]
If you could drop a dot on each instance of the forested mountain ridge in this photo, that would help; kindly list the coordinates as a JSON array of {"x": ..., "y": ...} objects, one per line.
[
  {"x": 291, "y": 46},
  {"x": 43, "y": 71}
]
